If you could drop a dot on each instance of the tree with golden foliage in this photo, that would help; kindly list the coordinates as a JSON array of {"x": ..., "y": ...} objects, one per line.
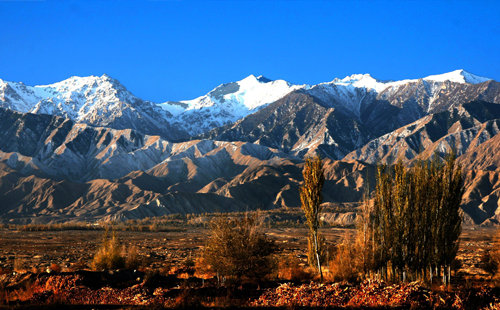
[
  {"x": 311, "y": 199},
  {"x": 237, "y": 248},
  {"x": 364, "y": 245},
  {"x": 414, "y": 223}
]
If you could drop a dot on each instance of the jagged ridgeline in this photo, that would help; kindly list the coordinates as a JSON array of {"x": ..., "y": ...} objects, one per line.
[{"x": 87, "y": 149}]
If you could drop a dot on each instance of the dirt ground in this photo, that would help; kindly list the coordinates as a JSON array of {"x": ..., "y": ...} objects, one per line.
[{"x": 28, "y": 250}]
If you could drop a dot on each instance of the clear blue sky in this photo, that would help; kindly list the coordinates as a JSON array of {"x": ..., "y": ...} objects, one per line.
[{"x": 174, "y": 50}]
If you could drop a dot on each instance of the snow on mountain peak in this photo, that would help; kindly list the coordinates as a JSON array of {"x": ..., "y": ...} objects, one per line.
[
  {"x": 96, "y": 97},
  {"x": 75, "y": 97},
  {"x": 263, "y": 79},
  {"x": 362, "y": 80},
  {"x": 458, "y": 76},
  {"x": 229, "y": 102}
]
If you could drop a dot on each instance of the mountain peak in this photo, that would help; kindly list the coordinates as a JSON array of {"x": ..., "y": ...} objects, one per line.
[
  {"x": 458, "y": 76},
  {"x": 252, "y": 78},
  {"x": 361, "y": 80},
  {"x": 263, "y": 79}
]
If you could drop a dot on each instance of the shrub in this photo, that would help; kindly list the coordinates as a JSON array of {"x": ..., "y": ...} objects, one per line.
[
  {"x": 79, "y": 265},
  {"x": 238, "y": 249},
  {"x": 109, "y": 256},
  {"x": 55, "y": 267},
  {"x": 165, "y": 269},
  {"x": 132, "y": 260},
  {"x": 289, "y": 268},
  {"x": 345, "y": 265},
  {"x": 188, "y": 262},
  {"x": 489, "y": 261}
]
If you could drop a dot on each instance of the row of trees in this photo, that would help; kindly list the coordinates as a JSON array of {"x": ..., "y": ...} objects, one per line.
[
  {"x": 413, "y": 223},
  {"x": 409, "y": 227}
]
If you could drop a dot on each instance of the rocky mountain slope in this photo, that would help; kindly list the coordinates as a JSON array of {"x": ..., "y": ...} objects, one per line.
[
  {"x": 50, "y": 146},
  {"x": 104, "y": 102},
  {"x": 339, "y": 117},
  {"x": 90, "y": 150},
  {"x": 299, "y": 124},
  {"x": 458, "y": 128},
  {"x": 28, "y": 199},
  {"x": 93, "y": 100}
]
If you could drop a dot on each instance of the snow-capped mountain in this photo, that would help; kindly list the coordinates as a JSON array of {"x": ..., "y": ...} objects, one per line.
[
  {"x": 230, "y": 102},
  {"x": 94, "y": 100},
  {"x": 368, "y": 82},
  {"x": 341, "y": 116},
  {"x": 458, "y": 76},
  {"x": 103, "y": 101},
  {"x": 227, "y": 103},
  {"x": 352, "y": 94}
]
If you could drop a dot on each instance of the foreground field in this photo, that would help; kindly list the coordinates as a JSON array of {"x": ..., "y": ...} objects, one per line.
[
  {"x": 74, "y": 249},
  {"x": 167, "y": 276}
]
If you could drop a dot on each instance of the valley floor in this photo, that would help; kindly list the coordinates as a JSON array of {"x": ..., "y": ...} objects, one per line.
[{"x": 165, "y": 254}]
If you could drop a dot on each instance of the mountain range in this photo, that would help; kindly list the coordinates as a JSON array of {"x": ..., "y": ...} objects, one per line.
[{"x": 87, "y": 149}]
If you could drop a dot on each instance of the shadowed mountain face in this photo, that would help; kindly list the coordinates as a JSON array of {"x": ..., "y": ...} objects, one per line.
[
  {"x": 459, "y": 128},
  {"x": 58, "y": 148},
  {"x": 335, "y": 123},
  {"x": 53, "y": 169},
  {"x": 299, "y": 124}
]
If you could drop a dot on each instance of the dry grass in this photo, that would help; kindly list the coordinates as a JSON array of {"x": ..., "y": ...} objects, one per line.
[
  {"x": 290, "y": 268},
  {"x": 345, "y": 264},
  {"x": 17, "y": 296},
  {"x": 109, "y": 255},
  {"x": 132, "y": 258},
  {"x": 5, "y": 271},
  {"x": 18, "y": 264}
]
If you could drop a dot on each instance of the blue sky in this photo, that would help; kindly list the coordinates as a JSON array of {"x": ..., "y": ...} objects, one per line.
[{"x": 175, "y": 50}]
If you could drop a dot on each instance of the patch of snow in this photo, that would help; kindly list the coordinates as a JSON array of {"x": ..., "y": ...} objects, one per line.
[{"x": 458, "y": 76}]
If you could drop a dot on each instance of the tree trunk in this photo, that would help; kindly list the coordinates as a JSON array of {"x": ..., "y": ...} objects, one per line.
[
  {"x": 449, "y": 274},
  {"x": 316, "y": 250}
]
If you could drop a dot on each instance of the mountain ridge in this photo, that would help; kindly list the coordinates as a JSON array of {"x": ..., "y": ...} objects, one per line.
[
  {"x": 104, "y": 101},
  {"x": 123, "y": 157}
]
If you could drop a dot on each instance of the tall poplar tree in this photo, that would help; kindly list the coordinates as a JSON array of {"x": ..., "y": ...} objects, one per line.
[
  {"x": 311, "y": 199},
  {"x": 415, "y": 218}
]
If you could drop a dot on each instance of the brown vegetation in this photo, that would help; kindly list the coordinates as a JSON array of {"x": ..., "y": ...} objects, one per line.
[
  {"x": 311, "y": 199},
  {"x": 413, "y": 228},
  {"x": 177, "y": 287},
  {"x": 237, "y": 248}
]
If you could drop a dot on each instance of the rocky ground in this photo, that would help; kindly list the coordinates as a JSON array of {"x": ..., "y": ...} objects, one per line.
[
  {"x": 74, "y": 249},
  {"x": 166, "y": 280}
]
